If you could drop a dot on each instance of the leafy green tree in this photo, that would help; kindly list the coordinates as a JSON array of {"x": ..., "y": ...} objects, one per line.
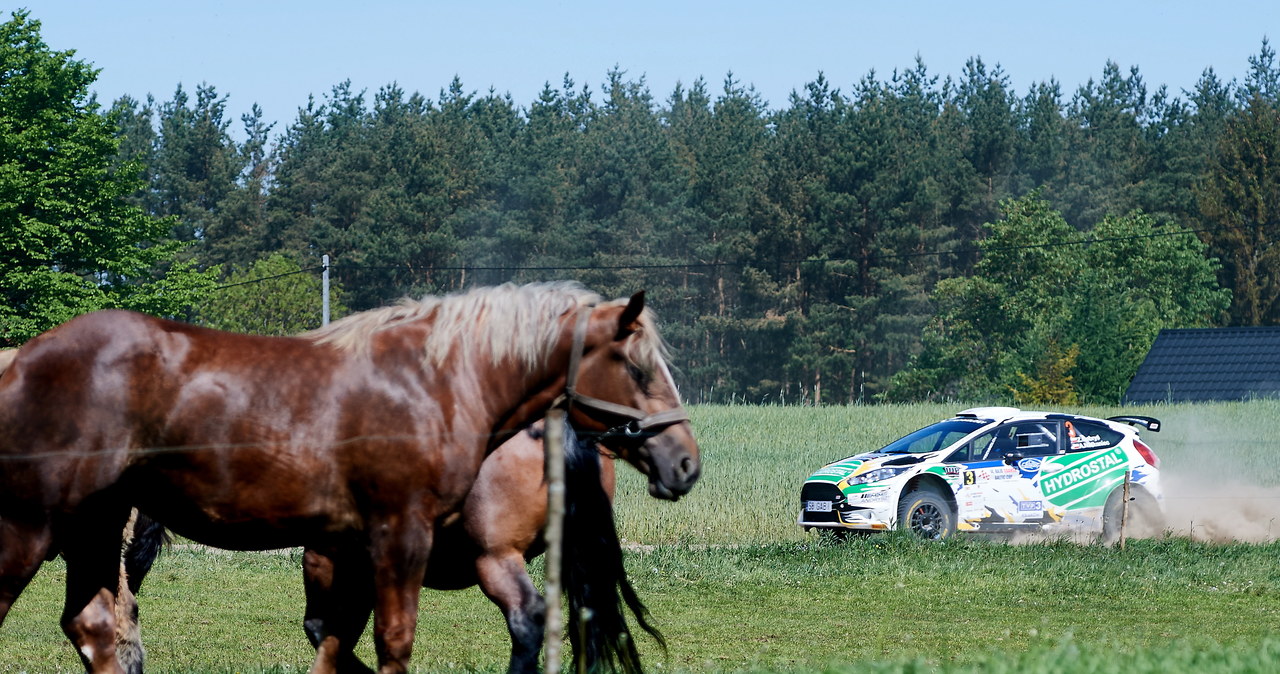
[
  {"x": 273, "y": 296},
  {"x": 1052, "y": 383},
  {"x": 1140, "y": 276},
  {"x": 69, "y": 239},
  {"x": 1049, "y": 307},
  {"x": 972, "y": 345}
]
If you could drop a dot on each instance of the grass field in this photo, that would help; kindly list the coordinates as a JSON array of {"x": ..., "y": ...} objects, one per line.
[{"x": 736, "y": 586}]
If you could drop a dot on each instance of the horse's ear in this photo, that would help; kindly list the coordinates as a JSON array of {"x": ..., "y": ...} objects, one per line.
[{"x": 629, "y": 321}]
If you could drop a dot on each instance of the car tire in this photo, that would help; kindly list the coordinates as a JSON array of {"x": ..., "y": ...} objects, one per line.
[
  {"x": 925, "y": 514},
  {"x": 1145, "y": 519}
]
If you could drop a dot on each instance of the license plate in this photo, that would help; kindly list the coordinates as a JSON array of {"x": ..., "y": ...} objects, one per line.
[{"x": 817, "y": 506}]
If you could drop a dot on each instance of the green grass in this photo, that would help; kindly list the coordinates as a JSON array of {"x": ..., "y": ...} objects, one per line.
[
  {"x": 737, "y": 586},
  {"x": 786, "y": 606}
]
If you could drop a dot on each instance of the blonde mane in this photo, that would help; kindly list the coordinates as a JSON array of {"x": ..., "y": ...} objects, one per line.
[{"x": 500, "y": 322}]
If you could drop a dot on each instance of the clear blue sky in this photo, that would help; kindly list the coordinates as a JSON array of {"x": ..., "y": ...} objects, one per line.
[{"x": 275, "y": 53}]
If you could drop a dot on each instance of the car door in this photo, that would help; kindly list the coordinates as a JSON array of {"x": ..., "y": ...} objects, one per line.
[
  {"x": 997, "y": 473},
  {"x": 1035, "y": 443}
]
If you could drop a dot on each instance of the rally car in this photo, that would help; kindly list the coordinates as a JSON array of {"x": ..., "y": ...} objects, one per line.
[{"x": 995, "y": 470}]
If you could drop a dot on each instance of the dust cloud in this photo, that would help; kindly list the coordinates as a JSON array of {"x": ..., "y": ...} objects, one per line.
[
  {"x": 1220, "y": 474},
  {"x": 1220, "y": 510}
]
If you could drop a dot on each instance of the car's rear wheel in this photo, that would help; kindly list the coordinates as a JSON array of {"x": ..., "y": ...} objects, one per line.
[
  {"x": 926, "y": 514},
  {"x": 1144, "y": 518}
]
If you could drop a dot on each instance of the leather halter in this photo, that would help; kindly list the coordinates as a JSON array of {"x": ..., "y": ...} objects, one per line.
[{"x": 638, "y": 422}]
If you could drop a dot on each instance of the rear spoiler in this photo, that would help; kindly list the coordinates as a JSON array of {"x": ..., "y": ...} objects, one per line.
[{"x": 1149, "y": 423}]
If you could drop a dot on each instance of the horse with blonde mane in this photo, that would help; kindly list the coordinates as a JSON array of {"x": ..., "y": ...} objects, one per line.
[{"x": 356, "y": 441}]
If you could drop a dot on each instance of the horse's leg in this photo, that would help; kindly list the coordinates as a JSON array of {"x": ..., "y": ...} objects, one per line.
[
  {"x": 23, "y": 548},
  {"x": 129, "y": 649},
  {"x": 144, "y": 537},
  {"x": 506, "y": 582},
  {"x": 91, "y": 547},
  {"x": 399, "y": 550},
  {"x": 339, "y": 601}
]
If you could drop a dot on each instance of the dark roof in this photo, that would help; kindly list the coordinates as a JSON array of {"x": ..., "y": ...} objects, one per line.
[{"x": 1209, "y": 364}]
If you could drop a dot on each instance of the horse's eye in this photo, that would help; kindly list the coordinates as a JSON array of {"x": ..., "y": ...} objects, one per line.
[{"x": 639, "y": 374}]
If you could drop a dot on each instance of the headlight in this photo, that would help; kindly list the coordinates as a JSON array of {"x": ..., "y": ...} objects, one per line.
[{"x": 876, "y": 475}]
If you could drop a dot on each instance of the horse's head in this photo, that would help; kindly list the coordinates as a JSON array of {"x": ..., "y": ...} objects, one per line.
[{"x": 621, "y": 394}]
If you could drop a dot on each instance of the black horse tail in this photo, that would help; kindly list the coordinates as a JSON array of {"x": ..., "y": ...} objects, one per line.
[
  {"x": 595, "y": 579},
  {"x": 148, "y": 537}
]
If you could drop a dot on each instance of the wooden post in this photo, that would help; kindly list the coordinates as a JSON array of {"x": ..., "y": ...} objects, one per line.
[
  {"x": 1124, "y": 509},
  {"x": 324, "y": 290},
  {"x": 553, "y": 440}
]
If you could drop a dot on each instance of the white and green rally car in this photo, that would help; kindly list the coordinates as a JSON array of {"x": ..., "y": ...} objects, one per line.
[{"x": 995, "y": 470}]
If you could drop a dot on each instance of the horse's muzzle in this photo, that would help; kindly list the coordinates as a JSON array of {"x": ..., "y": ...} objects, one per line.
[{"x": 669, "y": 480}]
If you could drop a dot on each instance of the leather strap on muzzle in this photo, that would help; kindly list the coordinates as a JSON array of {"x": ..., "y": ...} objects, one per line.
[{"x": 638, "y": 422}]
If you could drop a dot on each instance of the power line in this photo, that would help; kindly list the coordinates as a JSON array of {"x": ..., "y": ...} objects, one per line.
[
  {"x": 319, "y": 267},
  {"x": 721, "y": 264},
  {"x": 872, "y": 256}
]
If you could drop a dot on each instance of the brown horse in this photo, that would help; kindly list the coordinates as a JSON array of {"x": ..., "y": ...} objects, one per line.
[
  {"x": 498, "y": 530},
  {"x": 487, "y": 543},
  {"x": 354, "y": 441}
]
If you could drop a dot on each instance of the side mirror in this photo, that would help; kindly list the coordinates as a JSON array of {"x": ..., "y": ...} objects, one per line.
[{"x": 1011, "y": 458}]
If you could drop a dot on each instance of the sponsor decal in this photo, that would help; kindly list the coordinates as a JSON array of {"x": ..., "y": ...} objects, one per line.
[
  {"x": 1030, "y": 465},
  {"x": 1087, "y": 442},
  {"x": 841, "y": 470},
  {"x": 953, "y": 471},
  {"x": 1081, "y": 471},
  {"x": 880, "y": 495},
  {"x": 1030, "y": 506},
  {"x": 835, "y": 472}
]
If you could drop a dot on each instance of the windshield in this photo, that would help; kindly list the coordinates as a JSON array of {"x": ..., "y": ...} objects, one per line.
[{"x": 933, "y": 438}]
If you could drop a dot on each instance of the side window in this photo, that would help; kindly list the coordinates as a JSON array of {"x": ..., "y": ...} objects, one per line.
[
  {"x": 1036, "y": 438},
  {"x": 961, "y": 455},
  {"x": 1086, "y": 436},
  {"x": 992, "y": 445}
]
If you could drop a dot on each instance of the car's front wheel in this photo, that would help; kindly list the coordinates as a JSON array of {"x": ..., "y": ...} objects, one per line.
[{"x": 926, "y": 514}]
